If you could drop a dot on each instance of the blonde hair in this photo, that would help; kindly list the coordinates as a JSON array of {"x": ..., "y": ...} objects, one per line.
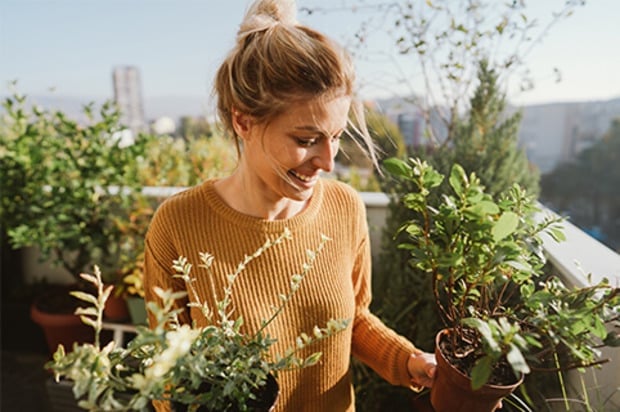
[{"x": 277, "y": 61}]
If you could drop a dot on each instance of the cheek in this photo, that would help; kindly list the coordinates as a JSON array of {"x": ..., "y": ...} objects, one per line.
[{"x": 290, "y": 155}]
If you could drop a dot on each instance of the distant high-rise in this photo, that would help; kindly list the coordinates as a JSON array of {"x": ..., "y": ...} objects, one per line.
[
  {"x": 409, "y": 124},
  {"x": 128, "y": 96}
]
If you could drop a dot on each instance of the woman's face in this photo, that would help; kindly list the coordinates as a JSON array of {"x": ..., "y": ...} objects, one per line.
[{"x": 287, "y": 154}]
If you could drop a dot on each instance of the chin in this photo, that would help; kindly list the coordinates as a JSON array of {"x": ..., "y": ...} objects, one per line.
[{"x": 299, "y": 195}]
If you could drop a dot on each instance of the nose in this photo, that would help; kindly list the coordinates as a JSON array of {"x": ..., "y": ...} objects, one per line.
[{"x": 325, "y": 153}]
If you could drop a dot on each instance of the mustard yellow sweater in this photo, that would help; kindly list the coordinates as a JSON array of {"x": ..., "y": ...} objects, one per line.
[{"x": 338, "y": 286}]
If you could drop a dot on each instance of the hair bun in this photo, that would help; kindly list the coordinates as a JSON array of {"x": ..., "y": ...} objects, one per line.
[{"x": 264, "y": 14}]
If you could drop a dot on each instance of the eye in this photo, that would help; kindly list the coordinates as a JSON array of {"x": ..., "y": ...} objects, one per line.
[{"x": 306, "y": 142}]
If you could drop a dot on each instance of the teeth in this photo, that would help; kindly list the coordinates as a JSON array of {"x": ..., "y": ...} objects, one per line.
[{"x": 301, "y": 177}]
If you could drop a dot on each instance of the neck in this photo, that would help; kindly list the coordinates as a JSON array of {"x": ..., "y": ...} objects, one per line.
[{"x": 253, "y": 199}]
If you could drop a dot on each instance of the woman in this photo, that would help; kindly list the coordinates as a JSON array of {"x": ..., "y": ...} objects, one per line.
[{"x": 286, "y": 93}]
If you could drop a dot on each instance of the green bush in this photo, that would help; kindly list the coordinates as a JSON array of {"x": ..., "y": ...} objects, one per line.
[
  {"x": 186, "y": 161},
  {"x": 68, "y": 187}
]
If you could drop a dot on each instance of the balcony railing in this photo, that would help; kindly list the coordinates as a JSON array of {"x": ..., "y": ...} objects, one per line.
[{"x": 580, "y": 261}]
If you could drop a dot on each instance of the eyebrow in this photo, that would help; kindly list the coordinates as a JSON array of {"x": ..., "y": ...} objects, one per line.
[{"x": 314, "y": 129}]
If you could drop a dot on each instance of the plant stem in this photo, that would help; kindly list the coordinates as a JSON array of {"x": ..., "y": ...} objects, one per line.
[
  {"x": 561, "y": 379},
  {"x": 584, "y": 391}
]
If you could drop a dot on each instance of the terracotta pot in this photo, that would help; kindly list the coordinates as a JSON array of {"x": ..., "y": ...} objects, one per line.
[
  {"x": 116, "y": 309},
  {"x": 452, "y": 392},
  {"x": 61, "y": 328}
]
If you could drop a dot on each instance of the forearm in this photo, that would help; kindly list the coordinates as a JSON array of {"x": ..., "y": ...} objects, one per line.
[{"x": 382, "y": 349}]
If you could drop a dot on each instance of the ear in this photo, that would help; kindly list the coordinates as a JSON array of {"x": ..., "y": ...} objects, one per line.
[{"x": 242, "y": 123}]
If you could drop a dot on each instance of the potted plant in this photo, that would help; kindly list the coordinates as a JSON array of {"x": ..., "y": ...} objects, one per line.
[
  {"x": 504, "y": 315},
  {"x": 134, "y": 293},
  {"x": 128, "y": 291},
  {"x": 215, "y": 367},
  {"x": 71, "y": 184}
]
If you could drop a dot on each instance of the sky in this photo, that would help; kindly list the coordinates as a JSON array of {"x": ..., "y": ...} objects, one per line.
[{"x": 69, "y": 47}]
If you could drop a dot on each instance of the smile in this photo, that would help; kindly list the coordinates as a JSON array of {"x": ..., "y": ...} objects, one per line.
[{"x": 303, "y": 178}]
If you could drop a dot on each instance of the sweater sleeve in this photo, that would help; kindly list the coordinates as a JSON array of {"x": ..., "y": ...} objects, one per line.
[
  {"x": 378, "y": 346},
  {"x": 159, "y": 255}
]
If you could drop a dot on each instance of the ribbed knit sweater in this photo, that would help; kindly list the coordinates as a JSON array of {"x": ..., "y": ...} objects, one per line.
[{"x": 337, "y": 286}]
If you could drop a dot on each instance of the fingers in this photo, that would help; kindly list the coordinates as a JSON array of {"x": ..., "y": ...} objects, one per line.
[
  {"x": 422, "y": 369},
  {"x": 430, "y": 370}
]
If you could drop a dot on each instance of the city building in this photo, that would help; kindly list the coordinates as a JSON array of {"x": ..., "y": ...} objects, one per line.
[
  {"x": 556, "y": 133},
  {"x": 128, "y": 97},
  {"x": 551, "y": 134}
]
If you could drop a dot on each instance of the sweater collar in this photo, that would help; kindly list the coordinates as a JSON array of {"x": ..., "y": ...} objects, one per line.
[{"x": 307, "y": 216}]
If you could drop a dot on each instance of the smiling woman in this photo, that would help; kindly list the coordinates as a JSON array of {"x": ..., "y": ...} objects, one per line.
[
  {"x": 284, "y": 157},
  {"x": 286, "y": 94}
]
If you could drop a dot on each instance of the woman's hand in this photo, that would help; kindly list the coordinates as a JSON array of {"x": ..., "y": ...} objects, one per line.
[{"x": 421, "y": 368}]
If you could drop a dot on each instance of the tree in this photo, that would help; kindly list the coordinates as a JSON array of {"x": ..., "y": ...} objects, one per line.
[
  {"x": 442, "y": 42},
  {"x": 486, "y": 141}
]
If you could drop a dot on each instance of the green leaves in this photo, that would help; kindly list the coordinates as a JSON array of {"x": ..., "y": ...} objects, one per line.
[
  {"x": 505, "y": 225},
  {"x": 458, "y": 180},
  {"x": 397, "y": 167},
  {"x": 501, "y": 340},
  {"x": 414, "y": 170},
  {"x": 557, "y": 234},
  {"x": 481, "y": 209},
  {"x": 58, "y": 172},
  {"x": 484, "y": 329},
  {"x": 218, "y": 365},
  {"x": 481, "y": 372},
  {"x": 485, "y": 260}
]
